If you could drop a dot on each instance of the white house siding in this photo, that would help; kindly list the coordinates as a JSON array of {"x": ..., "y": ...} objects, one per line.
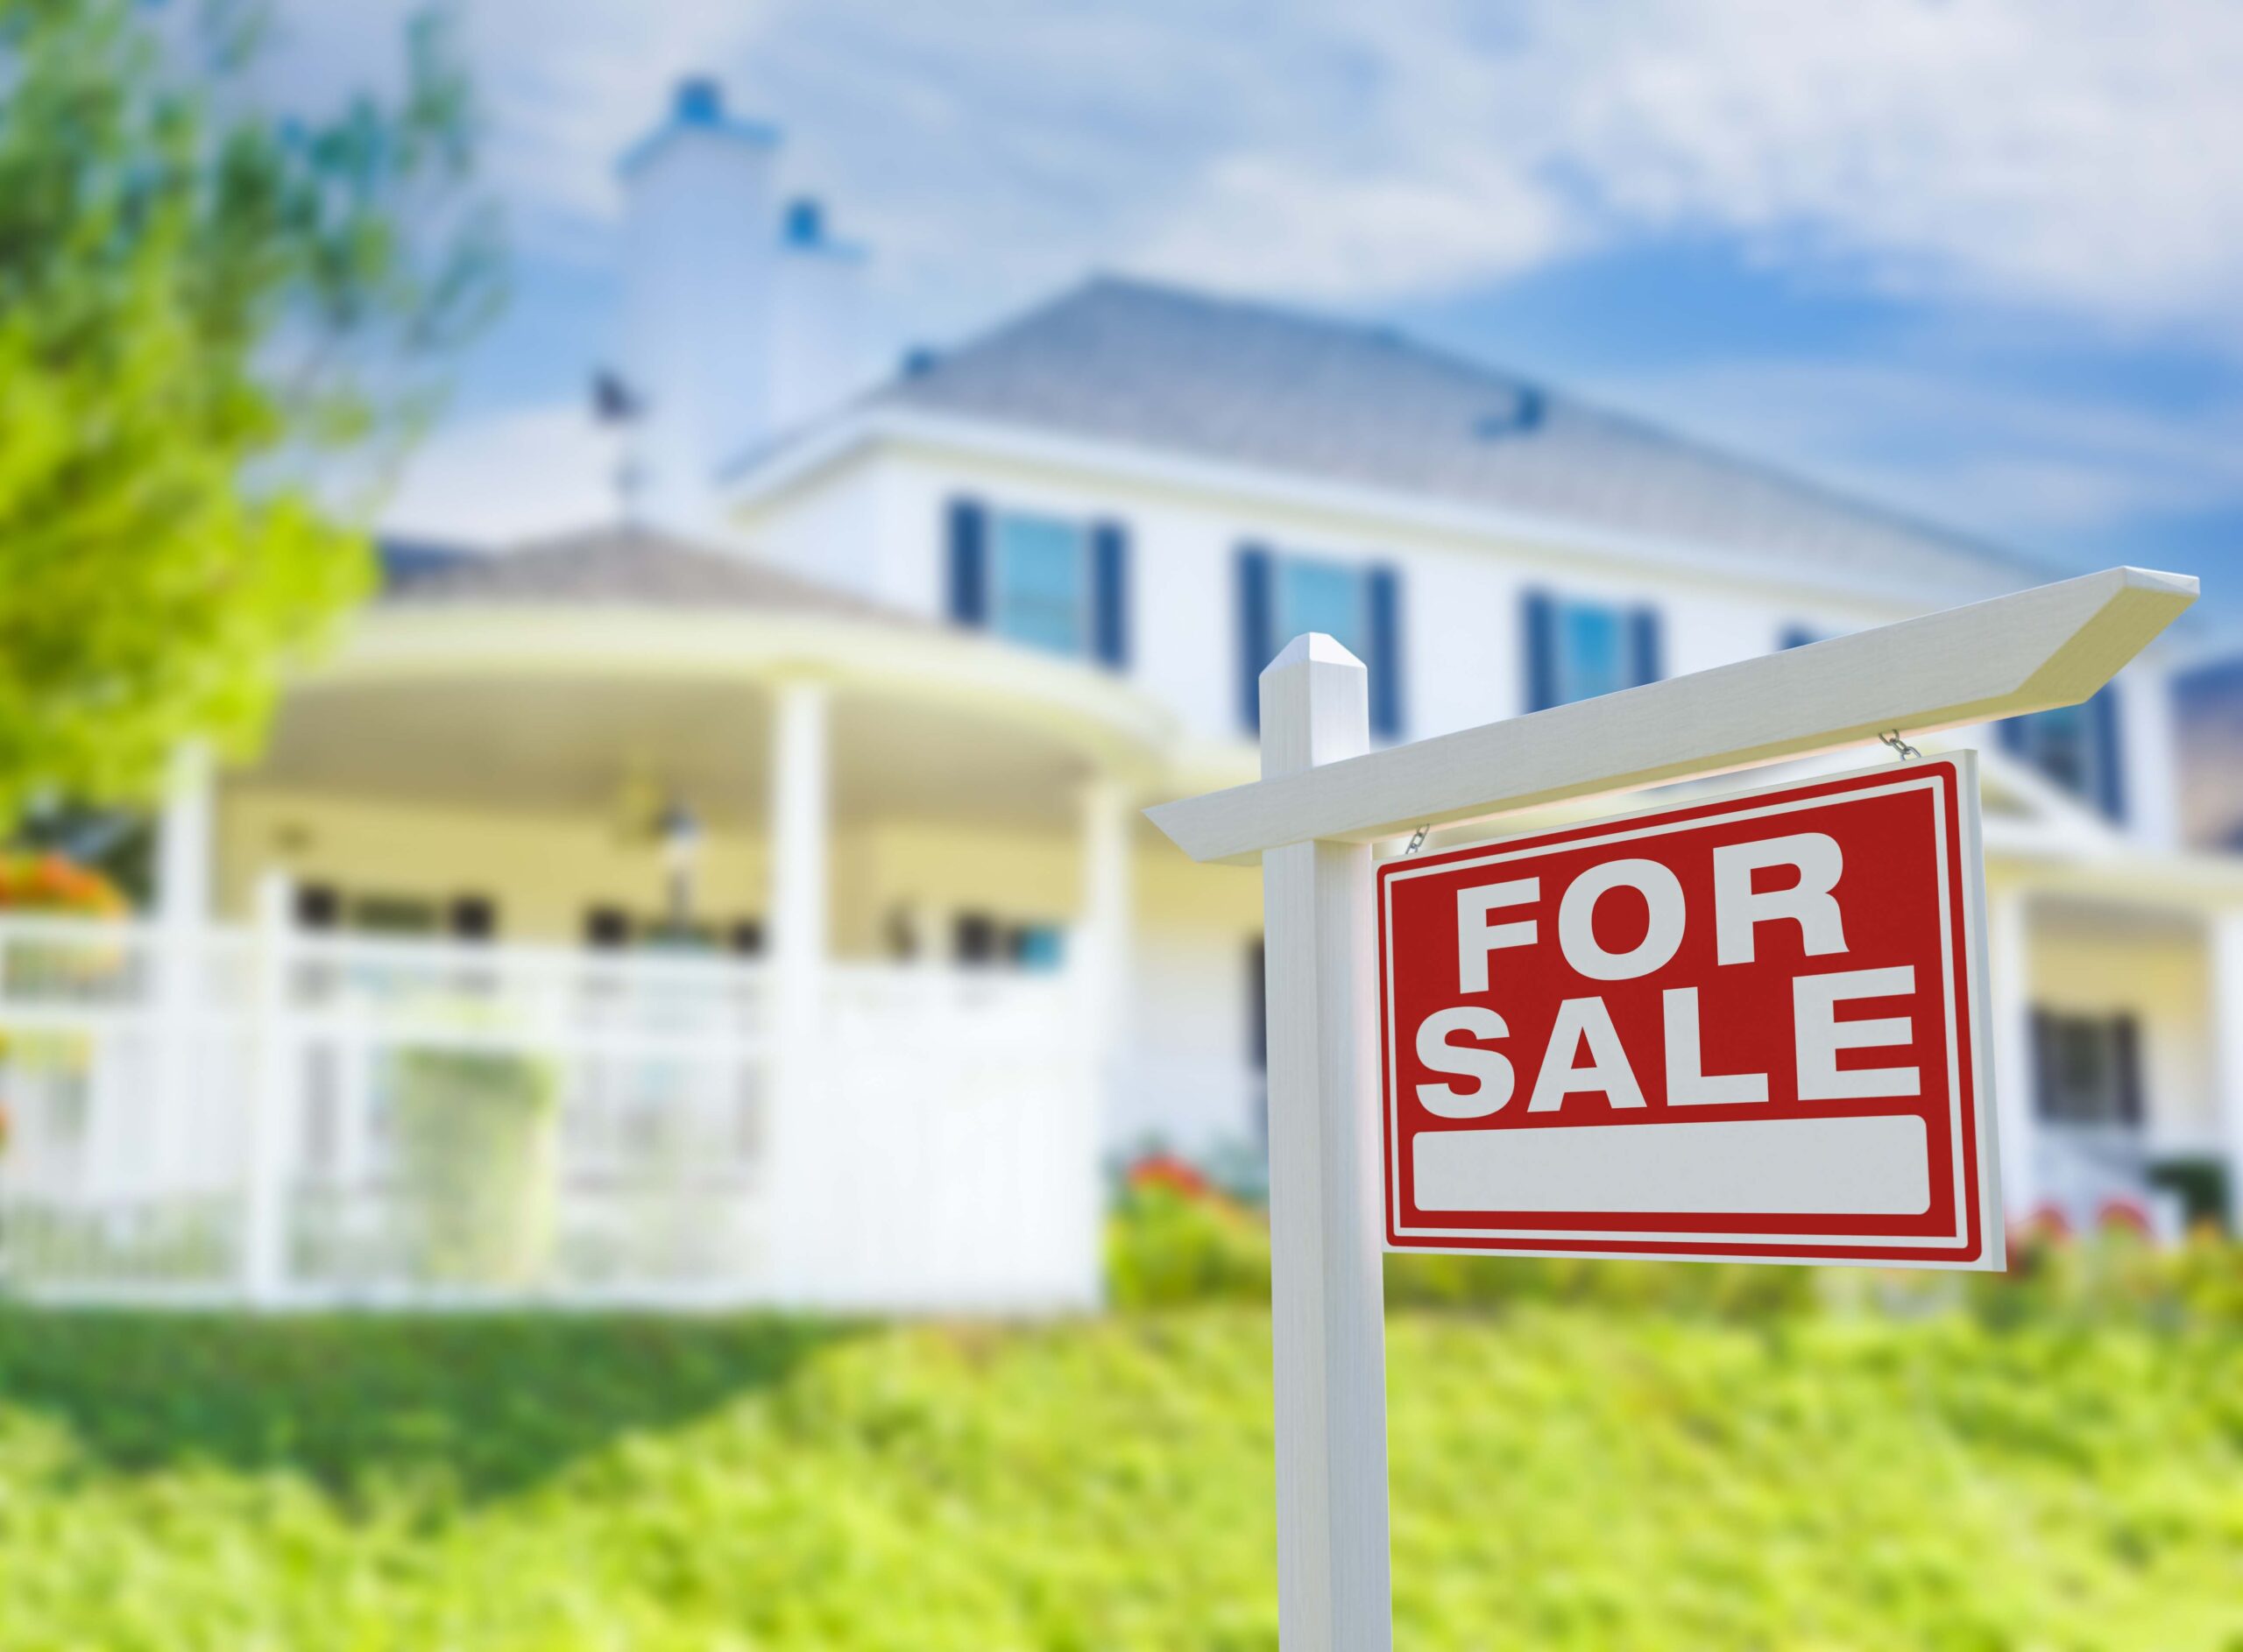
[
  {"x": 2148, "y": 752},
  {"x": 836, "y": 529},
  {"x": 1462, "y": 639},
  {"x": 1460, "y": 599},
  {"x": 1188, "y": 1080}
]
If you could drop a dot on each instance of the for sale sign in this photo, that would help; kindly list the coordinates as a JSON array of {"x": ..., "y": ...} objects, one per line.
[{"x": 1749, "y": 1028}]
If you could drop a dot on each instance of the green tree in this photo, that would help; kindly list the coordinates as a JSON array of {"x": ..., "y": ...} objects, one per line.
[{"x": 210, "y": 310}]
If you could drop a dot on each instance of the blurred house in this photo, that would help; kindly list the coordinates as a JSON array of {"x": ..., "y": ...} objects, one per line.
[{"x": 747, "y": 900}]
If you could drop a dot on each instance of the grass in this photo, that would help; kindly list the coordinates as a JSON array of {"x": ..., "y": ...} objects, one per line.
[{"x": 1565, "y": 1474}]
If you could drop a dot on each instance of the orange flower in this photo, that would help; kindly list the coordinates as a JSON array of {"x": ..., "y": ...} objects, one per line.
[
  {"x": 50, "y": 882},
  {"x": 1166, "y": 1171}
]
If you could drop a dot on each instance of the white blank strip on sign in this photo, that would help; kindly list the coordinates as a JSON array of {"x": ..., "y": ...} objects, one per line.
[{"x": 1877, "y": 1165}]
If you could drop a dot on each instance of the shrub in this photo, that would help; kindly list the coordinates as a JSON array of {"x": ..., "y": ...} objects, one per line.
[{"x": 1168, "y": 1244}]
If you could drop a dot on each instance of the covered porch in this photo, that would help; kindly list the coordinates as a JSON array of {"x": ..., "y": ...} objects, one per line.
[
  {"x": 724, "y": 944},
  {"x": 2118, "y": 1016}
]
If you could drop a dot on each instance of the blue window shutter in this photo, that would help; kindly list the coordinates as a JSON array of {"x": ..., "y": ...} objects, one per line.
[
  {"x": 1645, "y": 656},
  {"x": 1109, "y": 547},
  {"x": 969, "y": 563},
  {"x": 1382, "y": 594},
  {"x": 1538, "y": 619},
  {"x": 2110, "y": 754},
  {"x": 1255, "y": 643}
]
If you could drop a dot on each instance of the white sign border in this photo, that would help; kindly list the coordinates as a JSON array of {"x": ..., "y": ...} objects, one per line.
[{"x": 1933, "y": 780}]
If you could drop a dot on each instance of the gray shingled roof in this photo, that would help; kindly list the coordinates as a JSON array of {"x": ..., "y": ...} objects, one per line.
[
  {"x": 1183, "y": 373},
  {"x": 617, "y": 565}
]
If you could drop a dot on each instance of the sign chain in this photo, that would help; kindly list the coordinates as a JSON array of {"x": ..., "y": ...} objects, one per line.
[
  {"x": 1417, "y": 840},
  {"x": 1900, "y": 747}
]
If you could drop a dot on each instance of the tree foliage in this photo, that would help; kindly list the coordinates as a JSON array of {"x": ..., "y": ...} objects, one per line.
[{"x": 207, "y": 307}]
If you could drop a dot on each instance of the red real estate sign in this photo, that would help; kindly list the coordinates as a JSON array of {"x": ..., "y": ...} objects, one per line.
[{"x": 1748, "y": 1028}]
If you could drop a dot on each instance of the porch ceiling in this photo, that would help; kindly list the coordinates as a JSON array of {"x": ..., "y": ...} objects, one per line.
[
  {"x": 562, "y": 744},
  {"x": 553, "y": 708}
]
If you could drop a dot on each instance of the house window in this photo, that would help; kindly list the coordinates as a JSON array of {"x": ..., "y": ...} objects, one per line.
[
  {"x": 1576, "y": 650},
  {"x": 977, "y": 940},
  {"x": 473, "y": 918},
  {"x": 1041, "y": 593},
  {"x": 981, "y": 940},
  {"x": 1282, "y": 596},
  {"x": 1051, "y": 582},
  {"x": 1258, "y": 1036},
  {"x": 1591, "y": 655},
  {"x": 1040, "y": 948},
  {"x": 2076, "y": 746},
  {"x": 392, "y": 914},
  {"x": 1314, "y": 595},
  {"x": 2087, "y": 1069},
  {"x": 1257, "y": 1006}
]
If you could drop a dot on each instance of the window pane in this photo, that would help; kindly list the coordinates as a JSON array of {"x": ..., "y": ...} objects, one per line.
[
  {"x": 1326, "y": 597},
  {"x": 1041, "y": 583},
  {"x": 2061, "y": 745},
  {"x": 2082, "y": 1075},
  {"x": 1592, "y": 651}
]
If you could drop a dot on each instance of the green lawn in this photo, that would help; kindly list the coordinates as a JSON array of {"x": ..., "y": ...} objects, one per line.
[{"x": 1589, "y": 1474}]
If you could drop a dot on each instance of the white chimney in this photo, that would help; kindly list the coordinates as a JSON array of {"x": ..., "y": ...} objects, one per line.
[
  {"x": 820, "y": 341},
  {"x": 699, "y": 257}
]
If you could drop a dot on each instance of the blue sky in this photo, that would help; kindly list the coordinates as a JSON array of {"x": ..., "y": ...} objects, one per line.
[{"x": 1979, "y": 260}]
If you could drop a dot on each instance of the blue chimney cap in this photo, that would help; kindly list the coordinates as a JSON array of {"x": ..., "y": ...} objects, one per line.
[
  {"x": 698, "y": 106},
  {"x": 700, "y": 101}
]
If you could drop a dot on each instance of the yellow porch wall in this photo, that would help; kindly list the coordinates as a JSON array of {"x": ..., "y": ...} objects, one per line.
[
  {"x": 1027, "y": 876},
  {"x": 545, "y": 870},
  {"x": 2157, "y": 976}
]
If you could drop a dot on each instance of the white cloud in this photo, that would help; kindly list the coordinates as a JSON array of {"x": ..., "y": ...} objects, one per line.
[
  {"x": 2057, "y": 151},
  {"x": 2063, "y": 152},
  {"x": 2057, "y": 156},
  {"x": 2030, "y": 469},
  {"x": 495, "y": 480}
]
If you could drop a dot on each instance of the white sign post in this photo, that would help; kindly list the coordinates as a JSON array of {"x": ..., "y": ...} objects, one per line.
[
  {"x": 1326, "y": 1296},
  {"x": 1325, "y": 798}
]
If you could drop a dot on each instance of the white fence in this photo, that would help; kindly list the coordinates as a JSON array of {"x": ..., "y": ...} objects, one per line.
[{"x": 291, "y": 1119}]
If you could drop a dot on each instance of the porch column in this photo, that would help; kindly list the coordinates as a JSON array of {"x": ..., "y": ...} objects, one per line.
[
  {"x": 184, "y": 851},
  {"x": 801, "y": 823},
  {"x": 2009, "y": 995},
  {"x": 2226, "y": 985},
  {"x": 1102, "y": 966},
  {"x": 1102, "y": 933},
  {"x": 183, "y": 842}
]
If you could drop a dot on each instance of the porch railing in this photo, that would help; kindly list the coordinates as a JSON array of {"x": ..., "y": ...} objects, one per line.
[{"x": 288, "y": 1118}]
